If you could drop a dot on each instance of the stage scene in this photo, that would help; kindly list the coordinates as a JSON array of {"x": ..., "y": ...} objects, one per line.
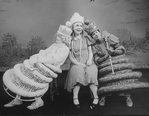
[{"x": 83, "y": 57}]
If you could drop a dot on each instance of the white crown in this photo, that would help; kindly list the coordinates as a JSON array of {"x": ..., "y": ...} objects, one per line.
[
  {"x": 64, "y": 30},
  {"x": 75, "y": 18}
]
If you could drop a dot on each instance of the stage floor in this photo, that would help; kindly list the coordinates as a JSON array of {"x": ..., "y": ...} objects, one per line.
[{"x": 63, "y": 104}]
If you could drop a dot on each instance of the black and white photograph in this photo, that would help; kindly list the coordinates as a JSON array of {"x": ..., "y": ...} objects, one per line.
[{"x": 74, "y": 57}]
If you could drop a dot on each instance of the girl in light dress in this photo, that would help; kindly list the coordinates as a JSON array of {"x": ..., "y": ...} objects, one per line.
[{"x": 82, "y": 71}]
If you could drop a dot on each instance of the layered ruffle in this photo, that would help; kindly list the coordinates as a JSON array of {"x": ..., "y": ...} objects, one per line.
[
  {"x": 30, "y": 82},
  {"x": 124, "y": 78}
]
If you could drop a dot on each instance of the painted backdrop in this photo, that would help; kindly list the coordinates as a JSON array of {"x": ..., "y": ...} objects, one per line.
[{"x": 26, "y": 26}]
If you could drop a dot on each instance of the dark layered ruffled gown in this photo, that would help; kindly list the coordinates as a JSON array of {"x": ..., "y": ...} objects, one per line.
[{"x": 124, "y": 77}]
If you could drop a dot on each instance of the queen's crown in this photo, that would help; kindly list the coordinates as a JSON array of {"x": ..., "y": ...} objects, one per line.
[{"x": 77, "y": 18}]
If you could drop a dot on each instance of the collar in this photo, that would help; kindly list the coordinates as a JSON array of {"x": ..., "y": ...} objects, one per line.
[{"x": 77, "y": 38}]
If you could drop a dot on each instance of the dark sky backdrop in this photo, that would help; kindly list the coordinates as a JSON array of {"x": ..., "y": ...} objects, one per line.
[{"x": 26, "y": 18}]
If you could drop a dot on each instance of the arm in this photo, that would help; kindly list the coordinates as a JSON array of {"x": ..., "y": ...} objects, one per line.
[
  {"x": 90, "y": 52},
  {"x": 72, "y": 59},
  {"x": 116, "y": 50},
  {"x": 46, "y": 51},
  {"x": 119, "y": 51},
  {"x": 89, "y": 62},
  {"x": 100, "y": 54},
  {"x": 58, "y": 58},
  {"x": 98, "y": 59},
  {"x": 44, "y": 59},
  {"x": 61, "y": 55},
  {"x": 42, "y": 55}
]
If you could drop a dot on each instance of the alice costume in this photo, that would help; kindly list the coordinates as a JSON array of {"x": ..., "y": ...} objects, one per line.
[
  {"x": 32, "y": 77},
  {"x": 78, "y": 74}
]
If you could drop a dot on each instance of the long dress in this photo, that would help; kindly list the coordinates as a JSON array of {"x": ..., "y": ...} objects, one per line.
[{"x": 77, "y": 74}]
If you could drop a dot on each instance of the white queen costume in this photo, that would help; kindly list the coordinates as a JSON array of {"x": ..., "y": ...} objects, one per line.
[{"x": 32, "y": 77}]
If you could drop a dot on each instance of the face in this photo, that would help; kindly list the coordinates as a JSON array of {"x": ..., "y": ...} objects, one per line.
[
  {"x": 63, "y": 39},
  {"x": 96, "y": 35},
  {"x": 67, "y": 40},
  {"x": 78, "y": 28},
  {"x": 58, "y": 38}
]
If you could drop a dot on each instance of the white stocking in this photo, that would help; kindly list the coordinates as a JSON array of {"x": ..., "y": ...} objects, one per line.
[
  {"x": 94, "y": 91},
  {"x": 75, "y": 94},
  {"x": 17, "y": 97}
]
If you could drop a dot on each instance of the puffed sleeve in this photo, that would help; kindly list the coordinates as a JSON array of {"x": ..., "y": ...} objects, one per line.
[
  {"x": 57, "y": 58},
  {"x": 60, "y": 56},
  {"x": 89, "y": 40},
  {"x": 43, "y": 55},
  {"x": 46, "y": 51},
  {"x": 119, "y": 50},
  {"x": 99, "y": 58}
]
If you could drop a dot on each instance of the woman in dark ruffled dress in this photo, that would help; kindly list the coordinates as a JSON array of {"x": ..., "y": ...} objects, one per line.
[{"x": 115, "y": 70}]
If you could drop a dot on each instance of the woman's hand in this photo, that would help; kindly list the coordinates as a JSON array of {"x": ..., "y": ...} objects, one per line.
[
  {"x": 89, "y": 62},
  {"x": 110, "y": 51},
  {"x": 82, "y": 65}
]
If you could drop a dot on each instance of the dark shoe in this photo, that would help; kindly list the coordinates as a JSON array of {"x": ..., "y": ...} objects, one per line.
[
  {"x": 76, "y": 105},
  {"x": 93, "y": 104}
]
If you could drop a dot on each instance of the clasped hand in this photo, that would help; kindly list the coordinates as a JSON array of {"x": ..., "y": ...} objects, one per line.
[
  {"x": 85, "y": 65},
  {"x": 89, "y": 62},
  {"x": 110, "y": 51},
  {"x": 82, "y": 65}
]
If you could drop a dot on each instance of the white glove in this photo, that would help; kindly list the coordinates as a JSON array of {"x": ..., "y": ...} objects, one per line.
[{"x": 89, "y": 62}]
